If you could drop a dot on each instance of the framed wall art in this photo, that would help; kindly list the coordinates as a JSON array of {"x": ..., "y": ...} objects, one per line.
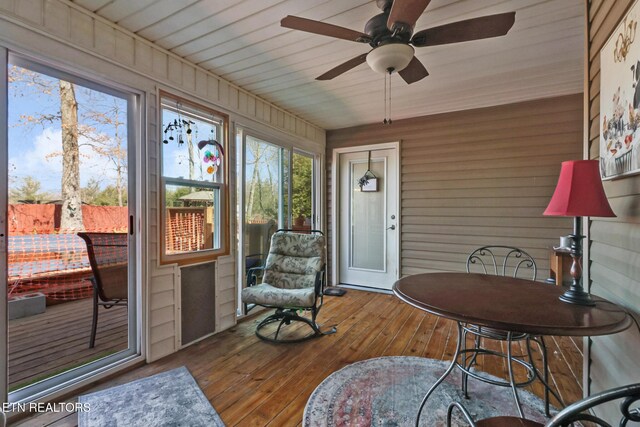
[{"x": 620, "y": 100}]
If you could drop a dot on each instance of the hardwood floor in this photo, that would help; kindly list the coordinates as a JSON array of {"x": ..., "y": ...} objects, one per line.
[
  {"x": 254, "y": 383},
  {"x": 58, "y": 339}
]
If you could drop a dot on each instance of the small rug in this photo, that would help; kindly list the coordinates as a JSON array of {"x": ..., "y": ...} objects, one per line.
[
  {"x": 171, "y": 398},
  {"x": 387, "y": 391}
]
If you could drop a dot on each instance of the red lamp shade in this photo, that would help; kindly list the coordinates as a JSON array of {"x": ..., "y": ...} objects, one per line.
[{"x": 579, "y": 191}]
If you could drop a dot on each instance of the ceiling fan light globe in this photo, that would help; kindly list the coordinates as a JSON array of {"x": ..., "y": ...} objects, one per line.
[{"x": 392, "y": 56}]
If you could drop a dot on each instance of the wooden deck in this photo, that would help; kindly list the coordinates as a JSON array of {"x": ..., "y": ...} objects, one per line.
[
  {"x": 254, "y": 383},
  {"x": 58, "y": 340}
]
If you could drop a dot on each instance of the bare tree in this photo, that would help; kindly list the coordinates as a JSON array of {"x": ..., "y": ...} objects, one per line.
[
  {"x": 108, "y": 114},
  {"x": 67, "y": 115},
  {"x": 71, "y": 216},
  {"x": 100, "y": 124},
  {"x": 262, "y": 197}
]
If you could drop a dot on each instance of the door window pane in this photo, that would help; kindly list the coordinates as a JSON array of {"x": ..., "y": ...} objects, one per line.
[
  {"x": 263, "y": 180},
  {"x": 266, "y": 192},
  {"x": 367, "y": 250},
  {"x": 302, "y": 191}
]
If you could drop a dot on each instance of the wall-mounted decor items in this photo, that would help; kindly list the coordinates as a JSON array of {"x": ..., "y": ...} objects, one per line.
[
  {"x": 620, "y": 100},
  {"x": 369, "y": 181}
]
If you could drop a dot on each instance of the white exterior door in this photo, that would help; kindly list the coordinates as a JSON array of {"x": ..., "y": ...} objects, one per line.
[{"x": 368, "y": 221}]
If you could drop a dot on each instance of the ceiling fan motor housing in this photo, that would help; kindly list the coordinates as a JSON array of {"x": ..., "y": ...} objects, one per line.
[
  {"x": 384, "y": 4},
  {"x": 376, "y": 28}
]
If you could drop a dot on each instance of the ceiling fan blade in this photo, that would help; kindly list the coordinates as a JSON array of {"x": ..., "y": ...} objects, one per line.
[
  {"x": 414, "y": 71},
  {"x": 344, "y": 67},
  {"x": 462, "y": 31},
  {"x": 324, "y": 29},
  {"x": 406, "y": 13}
]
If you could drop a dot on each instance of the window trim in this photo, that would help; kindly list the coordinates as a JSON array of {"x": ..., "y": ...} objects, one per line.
[{"x": 225, "y": 231}]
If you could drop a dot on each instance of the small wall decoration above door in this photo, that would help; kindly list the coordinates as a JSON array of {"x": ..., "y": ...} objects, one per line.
[
  {"x": 369, "y": 181},
  {"x": 620, "y": 100}
]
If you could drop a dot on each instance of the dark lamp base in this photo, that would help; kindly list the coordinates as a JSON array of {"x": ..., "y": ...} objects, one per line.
[{"x": 577, "y": 296}]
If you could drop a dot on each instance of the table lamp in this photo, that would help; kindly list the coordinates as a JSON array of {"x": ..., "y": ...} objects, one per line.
[{"x": 579, "y": 193}]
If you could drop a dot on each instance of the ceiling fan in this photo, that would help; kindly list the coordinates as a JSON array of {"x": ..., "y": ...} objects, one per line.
[{"x": 391, "y": 36}]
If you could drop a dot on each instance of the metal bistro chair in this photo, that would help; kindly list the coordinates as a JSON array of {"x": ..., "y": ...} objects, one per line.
[
  {"x": 577, "y": 412},
  {"x": 293, "y": 281},
  {"x": 108, "y": 256},
  {"x": 503, "y": 261}
]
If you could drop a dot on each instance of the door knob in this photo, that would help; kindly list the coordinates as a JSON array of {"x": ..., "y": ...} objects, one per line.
[{"x": 393, "y": 227}]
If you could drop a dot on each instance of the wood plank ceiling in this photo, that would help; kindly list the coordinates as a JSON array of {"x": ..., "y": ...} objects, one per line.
[{"x": 243, "y": 42}]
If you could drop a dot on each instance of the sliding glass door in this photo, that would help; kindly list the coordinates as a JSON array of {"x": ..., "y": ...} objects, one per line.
[
  {"x": 275, "y": 190},
  {"x": 70, "y": 215}
]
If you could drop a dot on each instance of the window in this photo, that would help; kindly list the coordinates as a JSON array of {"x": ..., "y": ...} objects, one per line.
[
  {"x": 193, "y": 180},
  {"x": 276, "y": 189}
]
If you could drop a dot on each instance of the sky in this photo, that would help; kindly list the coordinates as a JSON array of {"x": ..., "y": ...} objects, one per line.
[
  {"x": 34, "y": 148},
  {"x": 176, "y": 156}
]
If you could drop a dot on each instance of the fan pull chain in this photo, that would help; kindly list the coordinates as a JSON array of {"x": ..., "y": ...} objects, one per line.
[
  {"x": 389, "y": 117},
  {"x": 387, "y": 99},
  {"x": 384, "y": 122}
]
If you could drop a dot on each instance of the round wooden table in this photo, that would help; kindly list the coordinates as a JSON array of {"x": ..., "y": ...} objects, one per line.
[{"x": 509, "y": 304}]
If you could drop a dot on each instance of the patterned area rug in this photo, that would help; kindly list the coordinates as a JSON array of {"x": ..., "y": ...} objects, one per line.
[
  {"x": 171, "y": 398},
  {"x": 387, "y": 391}
]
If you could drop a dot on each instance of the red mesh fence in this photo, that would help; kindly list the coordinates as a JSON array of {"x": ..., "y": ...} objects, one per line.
[
  {"x": 186, "y": 230},
  {"x": 45, "y": 219},
  {"x": 43, "y": 258}
]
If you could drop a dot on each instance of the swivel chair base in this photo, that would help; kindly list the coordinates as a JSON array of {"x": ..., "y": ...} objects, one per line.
[{"x": 286, "y": 316}]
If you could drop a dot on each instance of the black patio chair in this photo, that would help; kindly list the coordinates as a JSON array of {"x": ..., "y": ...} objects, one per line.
[
  {"x": 257, "y": 241},
  {"x": 575, "y": 413},
  {"x": 108, "y": 256}
]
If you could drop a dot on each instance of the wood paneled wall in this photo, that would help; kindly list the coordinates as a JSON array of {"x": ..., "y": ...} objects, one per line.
[
  {"x": 477, "y": 177},
  {"x": 614, "y": 262}
]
